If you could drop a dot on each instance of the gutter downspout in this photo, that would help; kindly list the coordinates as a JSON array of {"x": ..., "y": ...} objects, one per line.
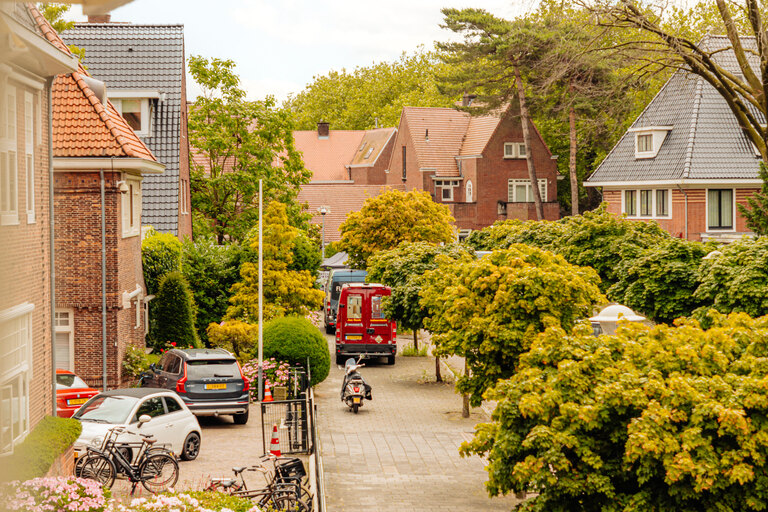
[
  {"x": 103, "y": 285},
  {"x": 685, "y": 195},
  {"x": 49, "y": 88}
]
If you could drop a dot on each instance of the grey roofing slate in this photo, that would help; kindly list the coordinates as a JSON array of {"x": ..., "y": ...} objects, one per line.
[
  {"x": 706, "y": 141},
  {"x": 128, "y": 56}
]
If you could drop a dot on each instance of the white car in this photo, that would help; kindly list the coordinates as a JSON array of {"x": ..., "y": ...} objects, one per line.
[{"x": 171, "y": 423}]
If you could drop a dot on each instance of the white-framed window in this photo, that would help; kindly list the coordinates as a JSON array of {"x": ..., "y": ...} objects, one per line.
[
  {"x": 15, "y": 375},
  {"x": 644, "y": 142},
  {"x": 9, "y": 164},
  {"x": 29, "y": 156},
  {"x": 649, "y": 139},
  {"x": 444, "y": 189},
  {"x": 648, "y": 203},
  {"x": 520, "y": 191},
  {"x": 65, "y": 339},
  {"x": 468, "y": 192},
  {"x": 514, "y": 150},
  {"x": 183, "y": 191},
  {"x": 720, "y": 209},
  {"x": 131, "y": 207},
  {"x": 137, "y": 112}
]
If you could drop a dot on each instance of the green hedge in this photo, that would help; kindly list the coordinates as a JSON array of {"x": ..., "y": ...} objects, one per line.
[
  {"x": 35, "y": 455},
  {"x": 295, "y": 339}
]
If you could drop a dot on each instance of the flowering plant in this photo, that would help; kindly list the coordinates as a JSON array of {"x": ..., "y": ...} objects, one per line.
[
  {"x": 181, "y": 502},
  {"x": 275, "y": 373},
  {"x": 54, "y": 493}
]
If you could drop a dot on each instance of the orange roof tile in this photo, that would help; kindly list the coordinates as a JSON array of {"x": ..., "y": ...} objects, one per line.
[
  {"x": 478, "y": 134},
  {"x": 328, "y": 158},
  {"x": 82, "y": 125},
  {"x": 373, "y": 143}
]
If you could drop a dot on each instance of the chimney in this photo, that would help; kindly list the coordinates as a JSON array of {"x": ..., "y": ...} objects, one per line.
[
  {"x": 323, "y": 130},
  {"x": 99, "y": 18},
  {"x": 467, "y": 99}
]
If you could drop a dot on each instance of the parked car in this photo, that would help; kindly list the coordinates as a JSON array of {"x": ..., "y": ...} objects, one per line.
[
  {"x": 172, "y": 424},
  {"x": 336, "y": 280},
  {"x": 210, "y": 381},
  {"x": 71, "y": 393},
  {"x": 361, "y": 327}
]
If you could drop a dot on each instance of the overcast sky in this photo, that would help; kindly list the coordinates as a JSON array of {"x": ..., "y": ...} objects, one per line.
[{"x": 280, "y": 45}]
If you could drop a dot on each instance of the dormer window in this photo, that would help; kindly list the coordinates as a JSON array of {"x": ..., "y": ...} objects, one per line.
[
  {"x": 136, "y": 106},
  {"x": 648, "y": 140}
]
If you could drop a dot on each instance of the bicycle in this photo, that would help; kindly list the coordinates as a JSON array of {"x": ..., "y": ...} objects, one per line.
[
  {"x": 286, "y": 486},
  {"x": 155, "y": 468}
]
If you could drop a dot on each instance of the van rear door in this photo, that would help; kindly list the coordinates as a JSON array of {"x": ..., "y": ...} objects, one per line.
[
  {"x": 354, "y": 328},
  {"x": 378, "y": 329}
]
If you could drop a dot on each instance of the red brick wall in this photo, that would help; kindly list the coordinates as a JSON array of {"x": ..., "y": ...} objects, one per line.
[
  {"x": 25, "y": 253},
  {"x": 185, "y": 219},
  {"x": 413, "y": 175}
]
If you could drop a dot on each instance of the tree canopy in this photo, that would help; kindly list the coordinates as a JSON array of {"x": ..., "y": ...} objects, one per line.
[{"x": 391, "y": 218}]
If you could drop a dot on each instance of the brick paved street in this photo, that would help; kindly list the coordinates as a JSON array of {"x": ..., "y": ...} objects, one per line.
[{"x": 400, "y": 452}]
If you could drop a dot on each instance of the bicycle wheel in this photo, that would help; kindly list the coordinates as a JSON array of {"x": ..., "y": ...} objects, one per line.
[
  {"x": 98, "y": 467},
  {"x": 158, "y": 472},
  {"x": 288, "y": 503}
]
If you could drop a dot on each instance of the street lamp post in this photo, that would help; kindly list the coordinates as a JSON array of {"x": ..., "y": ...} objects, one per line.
[{"x": 323, "y": 210}]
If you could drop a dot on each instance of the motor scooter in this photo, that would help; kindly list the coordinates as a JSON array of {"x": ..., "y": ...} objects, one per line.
[{"x": 354, "y": 389}]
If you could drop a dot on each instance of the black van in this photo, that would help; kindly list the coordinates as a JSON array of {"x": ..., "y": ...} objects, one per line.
[{"x": 336, "y": 280}]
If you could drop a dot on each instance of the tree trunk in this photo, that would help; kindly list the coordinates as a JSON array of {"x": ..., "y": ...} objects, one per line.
[
  {"x": 438, "y": 375},
  {"x": 525, "y": 118},
  {"x": 416, "y": 340},
  {"x": 572, "y": 163},
  {"x": 465, "y": 397}
]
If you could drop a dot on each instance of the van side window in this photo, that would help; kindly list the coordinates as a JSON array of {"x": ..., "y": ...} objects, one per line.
[
  {"x": 354, "y": 307},
  {"x": 376, "y": 311}
]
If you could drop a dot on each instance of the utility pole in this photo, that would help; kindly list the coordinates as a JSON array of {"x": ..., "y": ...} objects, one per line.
[{"x": 261, "y": 302}]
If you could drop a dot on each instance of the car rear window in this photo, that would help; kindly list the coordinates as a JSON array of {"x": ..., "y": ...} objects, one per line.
[
  {"x": 69, "y": 381},
  {"x": 211, "y": 368}
]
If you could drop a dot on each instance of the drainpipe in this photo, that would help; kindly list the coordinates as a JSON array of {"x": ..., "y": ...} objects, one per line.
[
  {"x": 49, "y": 88},
  {"x": 685, "y": 195},
  {"x": 103, "y": 285}
]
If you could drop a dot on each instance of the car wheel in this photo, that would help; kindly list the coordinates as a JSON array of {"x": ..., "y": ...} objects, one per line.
[
  {"x": 191, "y": 446},
  {"x": 240, "y": 419}
]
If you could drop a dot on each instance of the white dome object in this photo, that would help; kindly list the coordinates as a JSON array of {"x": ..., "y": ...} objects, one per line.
[{"x": 614, "y": 311}]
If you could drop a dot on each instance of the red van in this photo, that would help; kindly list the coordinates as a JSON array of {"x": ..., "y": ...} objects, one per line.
[{"x": 361, "y": 328}]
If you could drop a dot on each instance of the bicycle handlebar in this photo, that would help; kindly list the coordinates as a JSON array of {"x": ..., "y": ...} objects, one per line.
[{"x": 121, "y": 428}]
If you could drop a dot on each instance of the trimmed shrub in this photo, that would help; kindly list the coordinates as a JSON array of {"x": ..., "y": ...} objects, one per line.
[
  {"x": 35, "y": 455},
  {"x": 175, "y": 313},
  {"x": 160, "y": 254},
  {"x": 295, "y": 339}
]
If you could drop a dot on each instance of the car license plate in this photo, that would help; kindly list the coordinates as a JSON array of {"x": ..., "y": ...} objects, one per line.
[
  {"x": 355, "y": 337},
  {"x": 77, "y": 401},
  {"x": 355, "y": 399},
  {"x": 215, "y": 386}
]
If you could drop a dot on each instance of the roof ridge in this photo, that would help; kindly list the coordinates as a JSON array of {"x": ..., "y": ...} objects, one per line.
[
  {"x": 48, "y": 31},
  {"x": 125, "y": 24},
  {"x": 694, "y": 124}
]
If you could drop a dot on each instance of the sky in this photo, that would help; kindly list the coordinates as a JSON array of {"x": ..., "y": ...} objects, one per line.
[{"x": 280, "y": 45}]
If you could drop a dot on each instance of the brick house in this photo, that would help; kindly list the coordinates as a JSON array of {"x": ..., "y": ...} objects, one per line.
[
  {"x": 685, "y": 162},
  {"x": 27, "y": 64},
  {"x": 99, "y": 163},
  {"x": 348, "y": 166},
  {"x": 473, "y": 164},
  {"x": 144, "y": 67}
]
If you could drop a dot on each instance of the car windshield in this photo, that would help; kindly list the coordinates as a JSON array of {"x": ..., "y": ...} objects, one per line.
[
  {"x": 106, "y": 409},
  {"x": 69, "y": 381},
  {"x": 212, "y": 368}
]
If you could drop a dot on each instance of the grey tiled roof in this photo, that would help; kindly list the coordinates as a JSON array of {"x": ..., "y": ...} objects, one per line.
[
  {"x": 127, "y": 56},
  {"x": 706, "y": 141}
]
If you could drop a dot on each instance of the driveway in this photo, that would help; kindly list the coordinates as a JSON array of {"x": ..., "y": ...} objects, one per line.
[{"x": 400, "y": 452}]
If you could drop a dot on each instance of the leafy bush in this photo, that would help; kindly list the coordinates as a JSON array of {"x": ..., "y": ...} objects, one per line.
[
  {"x": 175, "y": 313},
  {"x": 136, "y": 361},
  {"x": 274, "y": 372},
  {"x": 650, "y": 419},
  {"x": 294, "y": 340},
  {"x": 235, "y": 336},
  {"x": 58, "y": 493},
  {"x": 222, "y": 501},
  {"x": 34, "y": 456},
  {"x": 187, "y": 502},
  {"x": 160, "y": 254}
]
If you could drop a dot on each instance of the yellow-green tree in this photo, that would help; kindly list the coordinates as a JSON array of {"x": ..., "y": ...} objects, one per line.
[
  {"x": 286, "y": 292},
  {"x": 489, "y": 310},
  {"x": 393, "y": 217}
]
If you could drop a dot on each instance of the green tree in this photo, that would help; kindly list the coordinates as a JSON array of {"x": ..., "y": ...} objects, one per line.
[
  {"x": 286, "y": 291},
  {"x": 175, "y": 313},
  {"x": 235, "y": 336},
  {"x": 756, "y": 213},
  {"x": 393, "y": 217},
  {"x": 56, "y": 16},
  {"x": 237, "y": 142},
  {"x": 662, "y": 418},
  {"x": 489, "y": 310},
  {"x": 297, "y": 341},
  {"x": 160, "y": 254},
  {"x": 360, "y": 99}
]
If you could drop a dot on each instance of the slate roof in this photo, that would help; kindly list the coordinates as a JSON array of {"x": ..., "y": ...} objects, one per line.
[
  {"x": 705, "y": 142},
  {"x": 128, "y": 56}
]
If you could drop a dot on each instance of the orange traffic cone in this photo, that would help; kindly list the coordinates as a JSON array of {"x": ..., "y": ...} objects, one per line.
[
  {"x": 267, "y": 394},
  {"x": 274, "y": 445}
]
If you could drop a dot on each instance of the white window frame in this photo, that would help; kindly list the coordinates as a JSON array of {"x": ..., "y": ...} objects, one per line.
[
  {"x": 146, "y": 112},
  {"x": 9, "y": 167},
  {"x": 29, "y": 156},
  {"x": 15, "y": 369},
  {"x": 657, "y": 133},
  {"x": 514, "y": 150},
  {"x": 732, "y": 229},
  {"x": 654, "y": 204},
  {"x": 512, "y": 185},
  {"x": 183, "y": 200},
  {"x": 69, "y": 329},
  {"x": 131, "y": 224},
  {"x": 468, "y": 192},
  {"x": 443, "y": 185}
]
